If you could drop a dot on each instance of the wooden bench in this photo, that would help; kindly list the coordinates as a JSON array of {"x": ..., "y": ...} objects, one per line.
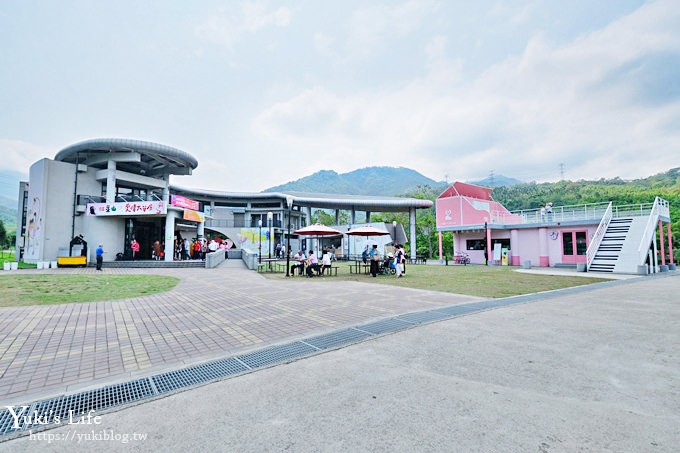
[{"x": 330, "y": 271}]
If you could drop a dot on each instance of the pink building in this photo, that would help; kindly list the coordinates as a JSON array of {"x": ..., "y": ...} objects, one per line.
[{"x": 600, "y": 237}]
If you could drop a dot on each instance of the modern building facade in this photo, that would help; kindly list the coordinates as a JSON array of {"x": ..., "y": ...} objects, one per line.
[
  {"x": 111, "y": 191},
  {"x": 599, "y": 237}
]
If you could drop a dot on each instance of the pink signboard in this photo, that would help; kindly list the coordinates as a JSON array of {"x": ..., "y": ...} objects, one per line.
[{"x": 184, "y": 202}]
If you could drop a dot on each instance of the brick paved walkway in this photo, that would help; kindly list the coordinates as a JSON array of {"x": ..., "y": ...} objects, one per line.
[{"x": 47, "y": 350}]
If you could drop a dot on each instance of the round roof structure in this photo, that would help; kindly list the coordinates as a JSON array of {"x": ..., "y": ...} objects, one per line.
[{"x": 134, "y": 156}]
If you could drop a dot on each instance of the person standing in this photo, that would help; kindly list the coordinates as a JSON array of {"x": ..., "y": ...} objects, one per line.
[
  {"x": 99, "y": 252},
  {"x": 398, "y": 260},
  {"x": 135, "y": 248},
  {"x": 375, "y": 260}
]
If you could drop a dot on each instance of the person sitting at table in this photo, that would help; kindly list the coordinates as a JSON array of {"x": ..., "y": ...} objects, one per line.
[
  {"x": 364, "y": 255},
  {"x": 299, "y": 263},
  {"x": 312, "y": 264},
  {"x": 326, "y": 261}
]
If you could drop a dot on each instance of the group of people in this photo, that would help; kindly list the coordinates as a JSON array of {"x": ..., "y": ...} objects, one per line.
[
  {"x": 197, "y": 248},
  {"x": 546, "y": 210},
  {"x": 311, "y": 264},
  {"x": 397, "y": 258}
]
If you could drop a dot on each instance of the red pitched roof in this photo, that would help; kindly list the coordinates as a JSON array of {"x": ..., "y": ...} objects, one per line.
[{"x": 460, "y": 189}]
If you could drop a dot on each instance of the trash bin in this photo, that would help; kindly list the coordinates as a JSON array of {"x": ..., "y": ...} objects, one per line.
[
  {"x": 6, "y": 265},
  {"x": 580, "y": 267},
  {"x": 526, "y": 265},
  {"x": 53, "y": 264},
  {"x": 15, "y": 265}
]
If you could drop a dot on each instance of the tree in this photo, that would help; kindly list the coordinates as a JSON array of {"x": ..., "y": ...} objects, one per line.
[{"x": 3, "y": 236}]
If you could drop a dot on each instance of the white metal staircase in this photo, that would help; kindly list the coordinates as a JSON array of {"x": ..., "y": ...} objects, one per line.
[{"x": 624, "y": 245}]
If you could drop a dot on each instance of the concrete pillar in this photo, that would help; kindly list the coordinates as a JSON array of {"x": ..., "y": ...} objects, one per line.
[
  {"x": 247, "y": 218},
  {"x": 111, "y": 182},
  {"x": 169, "y": 236},
  {"x": 166, "y": 190},
  {"x": 368, "y": 216},
  {"x": 353, "y": 216},
  {"x": 543, "y": 259},
  {"x": 514, "y": 248},
  {"x": 441, "y": 256},
  {"x": 655, "y": 264},
  {"x": 200, "y": 230},
  {"x": 337, "y": 217},
  {"x": 663, "y": 251},
  {"x": 489, "y": 246},
  {"x": 412, "y": 231},
  {"x": 310, "y": 240},
  {"x": 670, "y": 243}
]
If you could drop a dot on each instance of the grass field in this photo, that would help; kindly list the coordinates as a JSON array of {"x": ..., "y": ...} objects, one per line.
[
  {"x": 9, "y": 256},
  {"x": 483, "y": 281},
  {"x": 42, "y": 289}
]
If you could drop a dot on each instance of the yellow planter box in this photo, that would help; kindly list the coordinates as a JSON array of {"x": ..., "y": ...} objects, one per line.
[{"x": 71, "y": 261}]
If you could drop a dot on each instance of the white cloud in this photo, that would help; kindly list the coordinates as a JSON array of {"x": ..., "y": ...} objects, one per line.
[
  {"x": 373, "y": 27},
  {"x": 522, "y": 116},
  {"x": 19, "y": 155},
  {"x": 228, "y": 25}
]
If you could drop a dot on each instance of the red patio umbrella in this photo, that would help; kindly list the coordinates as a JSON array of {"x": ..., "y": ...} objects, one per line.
[
  {"x": 317, "y": 230},
  {"x": 367, "y": 230}
]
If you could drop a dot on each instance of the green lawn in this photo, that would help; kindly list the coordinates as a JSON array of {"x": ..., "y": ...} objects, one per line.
[
  {"x": 482, "y": 281},
  {"x": 50, "y": 289},
  {"x": 9, "y": 256}
]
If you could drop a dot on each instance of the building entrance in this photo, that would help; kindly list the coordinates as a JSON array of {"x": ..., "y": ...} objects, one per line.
[{"x": 146, "y": 232}]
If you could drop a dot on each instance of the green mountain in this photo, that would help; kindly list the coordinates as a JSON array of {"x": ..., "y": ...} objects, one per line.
[
  {"x": 9, "y": 196},
  {"x": 379, "y": 181}
]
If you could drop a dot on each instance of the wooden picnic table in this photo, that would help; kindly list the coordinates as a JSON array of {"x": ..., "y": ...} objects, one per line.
[{"x": 356, "y": 268}]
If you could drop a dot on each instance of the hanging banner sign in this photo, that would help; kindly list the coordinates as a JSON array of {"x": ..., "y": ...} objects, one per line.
[
  {"x": 194, "y": 216},
  {"x": 184, "y": 202},
  {"x": 127, "y": 208}
]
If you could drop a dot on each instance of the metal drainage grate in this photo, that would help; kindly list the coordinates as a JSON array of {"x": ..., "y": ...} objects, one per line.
[
  {"x": 72, "y": 406},
  {"x": 424, "y": 316},
  {"x": 187, "y": 377},
  {"x": 458, "y": 310},
  {"x": 339, "y": 338},
  {"x": 387, "y": 325},
  {"x": 276, "y": 354}
]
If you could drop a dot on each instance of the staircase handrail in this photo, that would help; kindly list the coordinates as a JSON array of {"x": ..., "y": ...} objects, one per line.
[
  {"x": 650, "y": 228},
  {"x": 597, "y": 237}
]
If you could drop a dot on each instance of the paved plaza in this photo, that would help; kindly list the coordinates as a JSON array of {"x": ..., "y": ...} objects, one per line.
[
  {"x": 590, "y": 370},
  {"x": 47, "y": 350}
]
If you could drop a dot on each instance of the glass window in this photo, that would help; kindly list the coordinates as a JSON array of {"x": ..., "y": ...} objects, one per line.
[
  {"x": 567, "y": 243},
  {"x": 475, "y": 244},
  {"x": 581, "y": 243}
]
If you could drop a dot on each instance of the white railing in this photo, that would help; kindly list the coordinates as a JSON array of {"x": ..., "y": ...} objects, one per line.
[
  {"x": 593, "y": 211},
  {"x": 660, "y": 207},
  {"x": 597, "y": 237}
]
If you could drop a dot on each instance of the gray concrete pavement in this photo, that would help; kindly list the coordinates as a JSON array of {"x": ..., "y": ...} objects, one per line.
[
  {"x": 49, "y": 350},
  {"x": 593, "y": 371}
]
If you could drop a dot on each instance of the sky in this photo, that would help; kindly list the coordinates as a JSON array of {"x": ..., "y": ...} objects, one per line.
[{"x": 265, "y": 92}]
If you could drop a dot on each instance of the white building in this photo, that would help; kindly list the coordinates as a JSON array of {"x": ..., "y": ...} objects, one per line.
[{"x": 110, "y": 191}]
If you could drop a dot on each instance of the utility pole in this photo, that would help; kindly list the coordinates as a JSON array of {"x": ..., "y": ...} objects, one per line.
[{"x": 491, "y": 178}]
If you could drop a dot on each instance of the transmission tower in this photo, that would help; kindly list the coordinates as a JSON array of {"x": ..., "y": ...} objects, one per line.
[{"x": 562, "y": 171}]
